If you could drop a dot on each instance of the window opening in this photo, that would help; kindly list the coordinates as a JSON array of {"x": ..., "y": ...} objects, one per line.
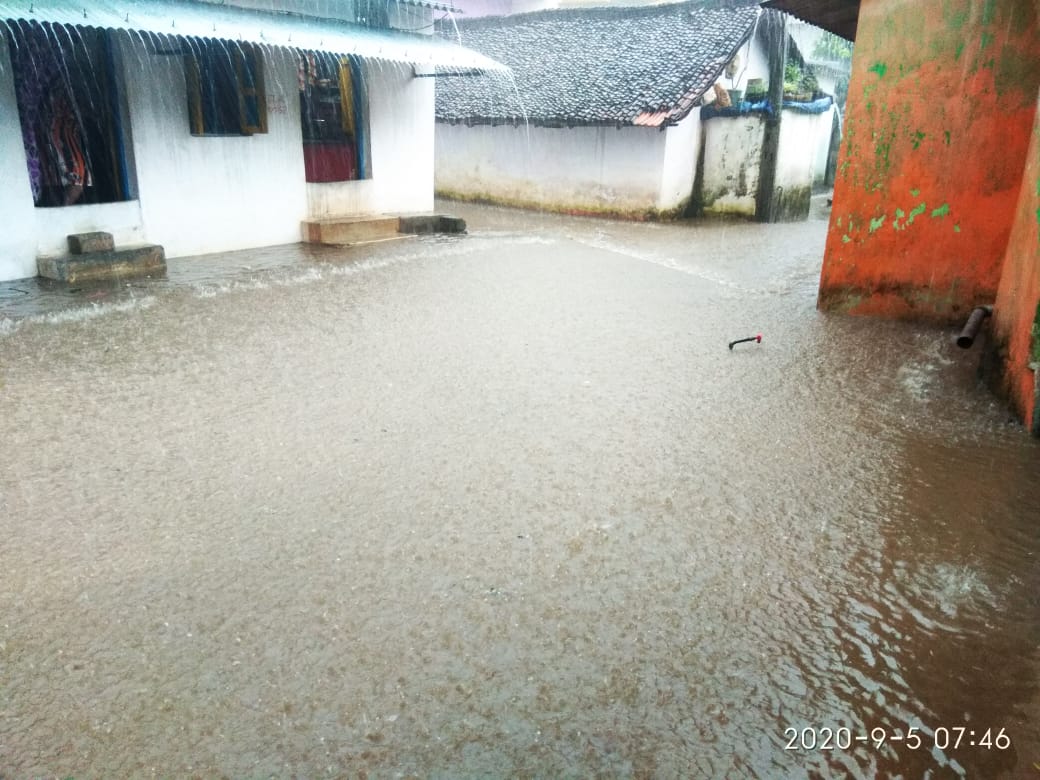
[
  {"x": 70, "y": 114},
  {"x": 225, "y": 89},
  {"x": 334, "y": 118}
]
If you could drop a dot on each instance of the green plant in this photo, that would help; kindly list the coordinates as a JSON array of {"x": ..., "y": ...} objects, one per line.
[
  {"x": 831, "y": 47},
  {"x": 799, "y": 79},
  {"x": 792, "y": 74}
]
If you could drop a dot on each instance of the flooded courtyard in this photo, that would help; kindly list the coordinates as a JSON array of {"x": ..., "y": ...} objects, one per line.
[{"x": 505, "y": 504}]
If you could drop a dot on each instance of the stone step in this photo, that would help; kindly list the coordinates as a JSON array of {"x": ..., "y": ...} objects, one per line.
[
  {"x": 350, "y": 230},
  {"x": 86, "y": 243},
  {"x": 144, "y": 260},
  {"x": 432, "y": 223}
]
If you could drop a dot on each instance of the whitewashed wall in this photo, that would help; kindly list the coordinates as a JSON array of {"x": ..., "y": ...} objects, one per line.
[
  {"x": 822, "y": 143},
  {"x": 732, "y": 160},
  {"x": 682, "y": 145},
  {"x": 753, "y": 64},
  {"x": 800, "y": 139},
  {"x": 17, "y": 231},
  {"x": 593, "y": 169},
  {"x": 209, "y": 194},
  {"x": 401, "y": 133},
  {"x": 733, "y": 152}
]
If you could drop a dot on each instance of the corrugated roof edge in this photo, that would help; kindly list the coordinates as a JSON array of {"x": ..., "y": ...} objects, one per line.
[
  {"x": 841, "y": 20},
  {"x": 280, "y": 29}
]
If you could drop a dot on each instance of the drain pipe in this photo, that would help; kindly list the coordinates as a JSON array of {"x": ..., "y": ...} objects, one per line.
[{"x": 973, "y": 326}]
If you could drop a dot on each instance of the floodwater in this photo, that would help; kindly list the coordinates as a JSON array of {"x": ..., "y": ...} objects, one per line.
[{"x": 505, "y": 504}]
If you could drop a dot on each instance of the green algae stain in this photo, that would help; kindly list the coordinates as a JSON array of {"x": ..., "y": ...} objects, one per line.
[
  {"x": 957, "y": 228},
  {"x": 876, "y": 223},
  {"x": 1036, "y": 335},
  {"x": 917, "y": 211},
  {"x": 900, "y": 213},
  {"x": 845, "y": 239},
  {"x": 914, "y": 193},
  {"x": 942, "y": 211},
  {"x": 917, "y": 139},
  {"x": 988, "y": 11},
  {"x": 879, "y": 68},
  {"x": 946, "y": 137},
  {"x": 985, "y": 41},
  {"x": 957, "y": 20}
]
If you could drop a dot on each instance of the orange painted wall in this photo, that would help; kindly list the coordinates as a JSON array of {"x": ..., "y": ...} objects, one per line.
[
  {"x": 941, "y": 106},
  {"x": 1016, "y": 316}
]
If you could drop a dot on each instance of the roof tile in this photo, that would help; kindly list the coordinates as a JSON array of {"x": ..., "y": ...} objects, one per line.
[{"x": 603, "y": 66}]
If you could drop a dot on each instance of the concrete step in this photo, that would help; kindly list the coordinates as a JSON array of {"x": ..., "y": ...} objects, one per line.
[
  {"x": 350, "y": 230},
  {"x": 85, "y": 243},
  {"x": 432, "y": 223},
  {"x": 144, "y": 260}
]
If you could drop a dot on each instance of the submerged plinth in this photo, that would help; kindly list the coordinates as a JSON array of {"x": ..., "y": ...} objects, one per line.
[
  {"x": 351, "y": 231},
  {"x": 433, "y": 223},
  {"x": 94, "y": 258}
]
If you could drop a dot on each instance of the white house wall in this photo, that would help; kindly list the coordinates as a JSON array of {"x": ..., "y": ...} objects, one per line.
[
  {"x": 401, "y": 147},
  {"x": 682, "y": 144},
  {"x": 197, "y": 195},
  {"x": 214, "y": 193},
  {"x": 800, "y": 139},
  {"x": 824, "y": 128},
  {"x": 17, "y": 238},
  {"x": 732, "y": 160},
  {"x": 597, "y": 170},
  {"x": 754, "y": 63}
]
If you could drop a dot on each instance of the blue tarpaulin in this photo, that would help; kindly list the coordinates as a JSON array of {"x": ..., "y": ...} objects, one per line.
[
  {"x": 744, "y": 108},
  {"x": 812, "y": 107}
]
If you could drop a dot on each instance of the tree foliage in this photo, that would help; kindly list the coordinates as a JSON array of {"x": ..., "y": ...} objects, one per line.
[{"x": 832, "y": 47}]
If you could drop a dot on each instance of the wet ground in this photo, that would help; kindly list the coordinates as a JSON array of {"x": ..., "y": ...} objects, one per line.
[{"x": 502, "y": 505}]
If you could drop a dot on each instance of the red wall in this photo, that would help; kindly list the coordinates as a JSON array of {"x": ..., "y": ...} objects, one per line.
[
  {"x": 1016, "y": 317},
  {"x": 940, "y": 113}
]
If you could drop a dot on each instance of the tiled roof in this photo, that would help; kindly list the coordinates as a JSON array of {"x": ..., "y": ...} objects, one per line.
[{"x": 595, "y": 66}]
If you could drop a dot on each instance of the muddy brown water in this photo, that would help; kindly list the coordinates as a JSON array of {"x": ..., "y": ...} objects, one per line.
[{"x": 506, "y": 505}]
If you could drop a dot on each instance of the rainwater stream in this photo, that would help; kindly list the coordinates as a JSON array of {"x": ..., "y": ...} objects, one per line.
[{"x": 505, "y": 505}]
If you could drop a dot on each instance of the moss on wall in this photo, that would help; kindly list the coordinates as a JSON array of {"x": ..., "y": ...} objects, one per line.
[
  {"x": 941, "y": 106},
  {"x": 793, "y": 204},
  {"x": 1035, "y": 347},
  {"x": 574, "y": 209}
]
